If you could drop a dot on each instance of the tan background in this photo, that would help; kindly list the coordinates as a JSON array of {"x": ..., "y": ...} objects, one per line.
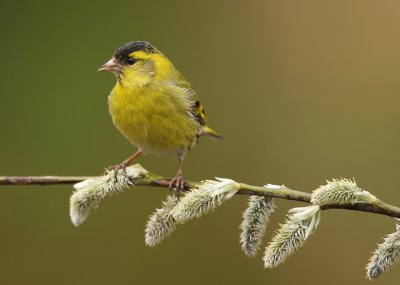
[{"x": 303, "y": 91}]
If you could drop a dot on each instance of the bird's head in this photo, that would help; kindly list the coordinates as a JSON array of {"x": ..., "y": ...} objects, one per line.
[{"x": 137, "y": 64}]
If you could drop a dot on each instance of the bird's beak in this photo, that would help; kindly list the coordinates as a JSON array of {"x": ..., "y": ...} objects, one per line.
[{"x": 111, "y": 65}]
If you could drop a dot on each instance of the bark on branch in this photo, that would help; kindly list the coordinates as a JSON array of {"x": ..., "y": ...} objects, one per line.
[{"x": 152, "y": 179}]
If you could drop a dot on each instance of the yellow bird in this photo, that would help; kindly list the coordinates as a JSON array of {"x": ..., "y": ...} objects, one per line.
[{"x": 154, "y": 106}]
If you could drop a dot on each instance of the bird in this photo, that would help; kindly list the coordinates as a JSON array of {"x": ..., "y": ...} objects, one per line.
[{"x": 153, "y": 106}]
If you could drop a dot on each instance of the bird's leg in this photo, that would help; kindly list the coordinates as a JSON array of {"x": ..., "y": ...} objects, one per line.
[
  {"x": 126, "y": 162},
  {"x": 177, "y": 182}
]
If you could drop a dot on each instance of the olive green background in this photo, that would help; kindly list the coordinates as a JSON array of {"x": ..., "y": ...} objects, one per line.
[{"x": 303, "y": 91}]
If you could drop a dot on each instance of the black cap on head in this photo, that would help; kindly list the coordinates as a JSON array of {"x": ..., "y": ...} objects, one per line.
[{"x": 122, "y": 54}]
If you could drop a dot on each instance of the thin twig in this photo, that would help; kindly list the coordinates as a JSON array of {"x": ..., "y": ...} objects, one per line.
[
  {"x": 152, "y": 179},
  {"x": 40, "y": 180}
]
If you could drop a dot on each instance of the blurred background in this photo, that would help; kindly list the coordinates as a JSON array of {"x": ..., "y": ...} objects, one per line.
[{"x": 303, "y": 91}]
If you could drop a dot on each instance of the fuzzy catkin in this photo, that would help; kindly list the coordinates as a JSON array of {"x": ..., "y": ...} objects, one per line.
[
  {"x": 205, "y": 199},
  {"x": 255, "y": 221},
  {"x": 91, "y": 192},
  {"x": 342, "y": 192},
  {"x": 161, "y": 224},
  {"x": 289, "y": 237},
  {"x": 196, "y": 203},
  {"x": 301, "y": 223},
  {"x": 386, "y": 255}
]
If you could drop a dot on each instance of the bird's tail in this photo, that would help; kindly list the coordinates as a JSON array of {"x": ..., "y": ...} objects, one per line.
[{"x": 208, "y": 131}]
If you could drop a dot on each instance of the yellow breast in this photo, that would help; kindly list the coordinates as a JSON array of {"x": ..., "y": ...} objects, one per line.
[{"x": 156, "y": 120}]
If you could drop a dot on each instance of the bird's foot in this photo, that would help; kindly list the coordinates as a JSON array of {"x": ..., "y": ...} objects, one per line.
[
  {"x": 178, "y": 183},
  {"x": 125, "y": 163},
  {"x": 117, "y": 167}
]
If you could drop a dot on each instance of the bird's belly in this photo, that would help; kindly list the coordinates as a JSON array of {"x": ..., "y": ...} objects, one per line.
[{"x": 153, "y": 124}]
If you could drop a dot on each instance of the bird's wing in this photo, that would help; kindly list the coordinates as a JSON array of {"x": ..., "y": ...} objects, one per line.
[
  {"x": 196, "y": 108},
  {"x": 198, "y": 112}
]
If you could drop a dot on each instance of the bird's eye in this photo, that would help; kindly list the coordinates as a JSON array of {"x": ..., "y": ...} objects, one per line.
[{"x": 131, "y": 61}]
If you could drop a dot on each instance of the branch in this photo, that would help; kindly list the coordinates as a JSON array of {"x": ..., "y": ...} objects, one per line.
[
  {"x": 151, "y": 179},
  {"x": 41, "y": 180},
  {"x": 207, "y": 196}
]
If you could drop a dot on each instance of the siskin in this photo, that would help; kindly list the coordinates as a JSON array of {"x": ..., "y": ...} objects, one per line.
[{"x": 154, "y": 106}]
